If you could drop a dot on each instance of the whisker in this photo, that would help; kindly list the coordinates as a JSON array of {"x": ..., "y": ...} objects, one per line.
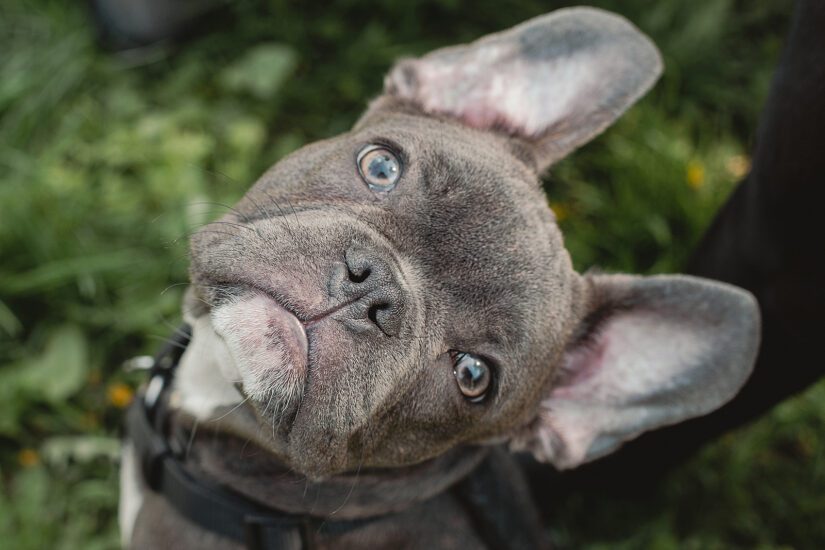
[
  {"x": 294, "y": 213},
  {"x": 248, "y": 228},
  {"x": 351, "y": 489},
  {"x": 173, "y": 285},
  {"x": 222, "y": 205},
  {"x": 191, "y": 441},
  {"x": 233, "y": 409},
  {"x": 283, "y": 215},
  {"x": 176, "y": 329},
  {"x": 264, "y": 215},
  {"x": 165, "y": 340}
]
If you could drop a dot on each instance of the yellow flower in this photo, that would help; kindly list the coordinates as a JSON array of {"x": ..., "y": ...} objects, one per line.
[
  {"x": 738, "y": 166},
  {"x": 120, "y": 395},
  {"x": 695, "y": 174},
  {"x": 560, "y": 210},
  {"x": 28, "y": 458}
]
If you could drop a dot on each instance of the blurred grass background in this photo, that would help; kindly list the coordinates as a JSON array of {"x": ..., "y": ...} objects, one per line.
[{"x": 108, "y": 162}]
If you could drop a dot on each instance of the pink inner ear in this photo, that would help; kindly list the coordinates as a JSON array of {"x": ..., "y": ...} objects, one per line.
[
  {"x": 580, "y": 364},
  {"x": 479, "y": 116},
  {"x": 684, "y": 347},
  {"x": 555, "y": 81},
  {"x": 609, "y": 388},
  {"x": 491, "y": 85},
  {"x": 633, "y": 354}
]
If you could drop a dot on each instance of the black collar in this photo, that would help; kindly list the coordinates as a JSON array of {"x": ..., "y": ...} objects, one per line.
[{"x": 235, "y": 516}]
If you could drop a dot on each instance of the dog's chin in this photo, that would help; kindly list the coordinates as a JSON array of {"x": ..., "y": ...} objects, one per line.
[{"x": 269, "y": 347}]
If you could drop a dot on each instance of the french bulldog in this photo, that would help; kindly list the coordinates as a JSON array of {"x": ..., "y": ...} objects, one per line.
[{"x": 385, "y": 310}]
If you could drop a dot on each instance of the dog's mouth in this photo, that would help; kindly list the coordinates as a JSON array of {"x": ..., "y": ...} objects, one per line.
[{"x": 270, "y": 348}]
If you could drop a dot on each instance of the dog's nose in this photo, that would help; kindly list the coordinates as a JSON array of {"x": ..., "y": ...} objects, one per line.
[{"x": 370, "y": 283}]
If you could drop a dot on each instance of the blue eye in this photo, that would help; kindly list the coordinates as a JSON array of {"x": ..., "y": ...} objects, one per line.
[
  {"x": 379, "y": 167},
  {"x": 472, "y": 375}
]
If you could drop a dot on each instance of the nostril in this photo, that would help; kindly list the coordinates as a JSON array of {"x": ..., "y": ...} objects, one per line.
[
  {"x": 372, "y": 313},
  {"x": 358, "y": 275}
]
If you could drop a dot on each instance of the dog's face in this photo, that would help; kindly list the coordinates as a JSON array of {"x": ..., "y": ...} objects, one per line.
[
  {"x": 392, "y": 286},
  {"x": 402, "y": 289}
]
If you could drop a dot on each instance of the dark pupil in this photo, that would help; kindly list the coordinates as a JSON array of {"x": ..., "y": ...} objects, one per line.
[
  {"x": 382, "y": 167},
  {"x": 471, "y": 374}
]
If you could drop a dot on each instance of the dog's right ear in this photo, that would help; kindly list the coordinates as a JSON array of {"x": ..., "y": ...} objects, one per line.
[
  {"x": 555, "y": 81},
  {"x": 651, "y": 352}
]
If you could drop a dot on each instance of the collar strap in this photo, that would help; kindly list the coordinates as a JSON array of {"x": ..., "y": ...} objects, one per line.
[{"x": 201, "y": 502}]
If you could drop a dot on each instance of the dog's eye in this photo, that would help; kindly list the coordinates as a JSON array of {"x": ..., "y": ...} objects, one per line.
[
  {"x": 472, "y": 375},
  {"x": 379, "y": 167}
]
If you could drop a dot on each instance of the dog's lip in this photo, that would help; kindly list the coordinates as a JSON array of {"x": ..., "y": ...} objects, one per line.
[
  {"x": 283, "y": 324},
  {"x": 307, "y": 320},
  {"x": 277, "y": 298},
  {"x": 286, "y": 326}
]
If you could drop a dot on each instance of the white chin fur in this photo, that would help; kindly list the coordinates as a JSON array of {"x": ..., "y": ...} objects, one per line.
[
  {"x": 206, "y": 374},
  {"x": 266, "y": 347}
]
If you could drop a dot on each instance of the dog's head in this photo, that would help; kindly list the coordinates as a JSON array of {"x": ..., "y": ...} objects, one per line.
[{"x": 402, "y": 289}]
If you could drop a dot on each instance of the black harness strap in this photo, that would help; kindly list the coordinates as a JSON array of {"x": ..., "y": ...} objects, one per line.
[
  {"x": 499, "y": 504},
  {"x": 205, "y": 504}
]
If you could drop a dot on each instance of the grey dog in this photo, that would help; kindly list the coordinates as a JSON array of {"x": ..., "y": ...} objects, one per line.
[{"x": 388, "y": 309}]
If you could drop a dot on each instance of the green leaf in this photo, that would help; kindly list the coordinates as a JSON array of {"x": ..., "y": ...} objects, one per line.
[
  {"x": 261, "y": 71},
  {"x": 9, "y": 323},
  {"x": 60, "y": 371},
  {"x": 63, "y": 450},
  {"x": 59, "y": 272}
]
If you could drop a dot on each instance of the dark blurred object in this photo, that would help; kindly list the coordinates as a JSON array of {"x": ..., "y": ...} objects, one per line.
[
  {"x": 768, "y": 238},
  {"x": 132, "y": 24}
]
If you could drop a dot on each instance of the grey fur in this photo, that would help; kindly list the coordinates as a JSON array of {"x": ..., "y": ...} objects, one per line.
[{"x": 464, "y": 255}]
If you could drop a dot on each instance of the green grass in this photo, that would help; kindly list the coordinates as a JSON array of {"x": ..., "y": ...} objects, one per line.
[{"x": 106, "y": 166}]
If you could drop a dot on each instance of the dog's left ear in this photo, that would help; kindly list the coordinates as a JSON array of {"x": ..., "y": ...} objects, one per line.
[
  {"x": 555, "y": 81},
  {"x": 652, "y": 351}
]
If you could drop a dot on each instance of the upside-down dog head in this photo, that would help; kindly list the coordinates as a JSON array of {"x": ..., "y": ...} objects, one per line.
[{"x": 402, "y": 289}]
